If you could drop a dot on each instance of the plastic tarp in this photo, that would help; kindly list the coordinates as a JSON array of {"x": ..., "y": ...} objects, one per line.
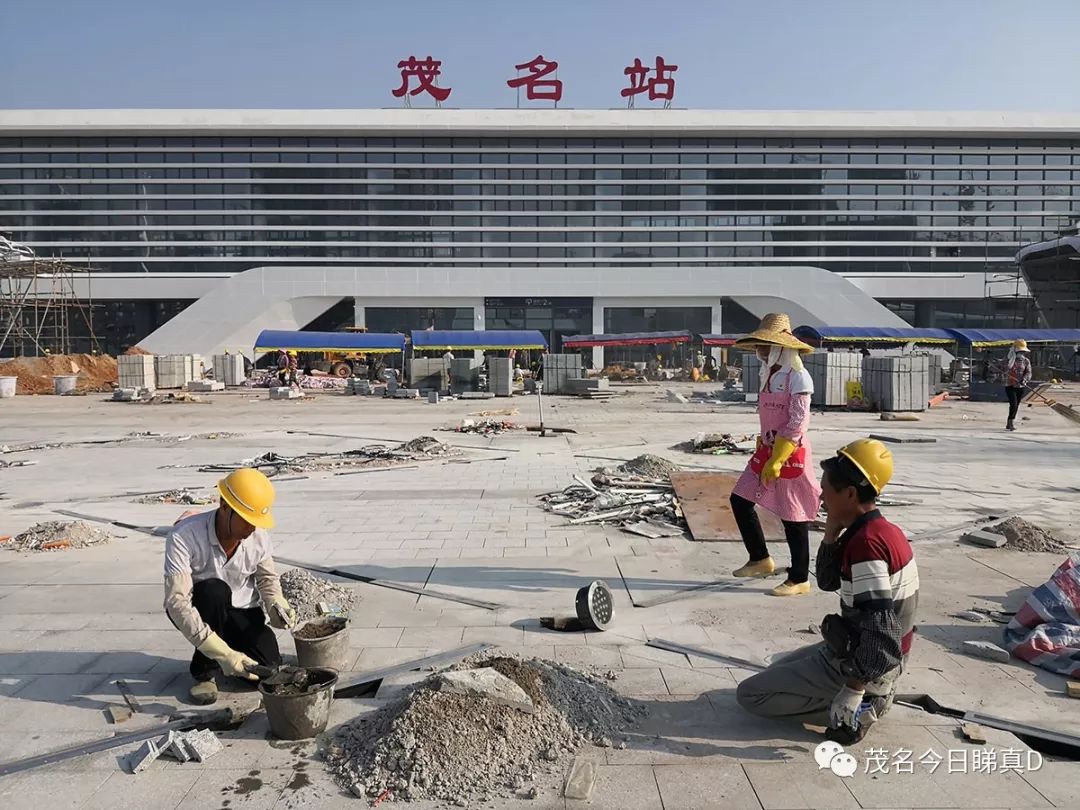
[
  {"x": 879, "y": 335},
  {"x": 1046, "y": 630},
  {"x": 432, "y": 340},
  {"x": 980, "y": 338},
  {"x": 368, "y": 342},
  {"x": 626, "y": 339},
  {"x": 719, "y": 340}
]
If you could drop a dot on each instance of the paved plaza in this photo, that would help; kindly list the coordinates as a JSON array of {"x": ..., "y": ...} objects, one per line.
[{"x": 73, "y": 622}]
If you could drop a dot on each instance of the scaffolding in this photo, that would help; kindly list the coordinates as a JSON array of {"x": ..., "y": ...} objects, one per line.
[{"x": 41, "y": 311}]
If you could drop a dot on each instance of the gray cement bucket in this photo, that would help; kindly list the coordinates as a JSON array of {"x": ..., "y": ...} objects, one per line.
[
  {"x": 7, "y": 387},
  {"x": 304, "y": 714},
  {"x": 323, "y": 642},
  {"x": 65, "y": 383}
]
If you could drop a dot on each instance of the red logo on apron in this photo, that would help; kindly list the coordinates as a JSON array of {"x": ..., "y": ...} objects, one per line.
[{"x": 792, "y": 468}]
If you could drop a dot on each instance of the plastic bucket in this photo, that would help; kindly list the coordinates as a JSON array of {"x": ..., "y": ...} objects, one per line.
[
  {"x": 64, "y": 383},
  {"x": 302, "y": 715},
  {"x": 329, "y": 651},
  {"x": 7, "y": 387}
]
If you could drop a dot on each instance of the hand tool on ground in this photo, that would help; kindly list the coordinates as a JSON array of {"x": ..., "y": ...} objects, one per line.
[
  {"x": 218, "y": 719},
  {"x": 1062, "y": 410},
  {"x": 128, "y": 695}
]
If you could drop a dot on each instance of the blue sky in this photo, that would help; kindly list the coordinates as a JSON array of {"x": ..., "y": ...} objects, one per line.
[{"x": 735, "y": 54}]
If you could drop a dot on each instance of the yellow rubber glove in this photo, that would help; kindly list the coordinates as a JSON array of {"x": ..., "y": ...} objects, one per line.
[
  {"x": 232, "y": 662},
  {"x": 286, "y": 618},
  {"x": 781, "y": 451}
]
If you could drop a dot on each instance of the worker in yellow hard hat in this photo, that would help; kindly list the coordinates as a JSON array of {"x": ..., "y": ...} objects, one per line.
[
  {"x": 219, "y": 580},
  {"x": 847, "y": 681},
  {"x": 1018, "y": 375}
]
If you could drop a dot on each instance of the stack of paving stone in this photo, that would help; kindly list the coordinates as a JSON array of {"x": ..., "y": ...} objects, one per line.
[{"x": 358, "y": 386}]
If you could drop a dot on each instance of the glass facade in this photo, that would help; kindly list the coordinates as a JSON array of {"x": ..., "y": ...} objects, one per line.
[{"x": 888, "y": 204}]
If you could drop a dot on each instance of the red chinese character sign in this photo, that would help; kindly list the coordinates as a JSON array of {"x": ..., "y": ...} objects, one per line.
[
  {"x": 536, "y": 87},
  {"x": 660, "y": 85},
  {"x": 426, "y": 72}
]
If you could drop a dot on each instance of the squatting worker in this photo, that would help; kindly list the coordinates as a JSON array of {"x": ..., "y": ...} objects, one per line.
[
  {"x": 1017, "y": 376},
  {"x": 779, "y": 476},
  {"x": 219, "y": 577},
  {"x": 848, "y": 680}
]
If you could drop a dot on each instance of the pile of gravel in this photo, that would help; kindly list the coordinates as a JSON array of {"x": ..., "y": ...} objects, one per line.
[
  {"x": 647, "y": 466},
  {"x": 456, "y": 749},
  {"x": 56, "y": 535},
  {"x": 426, "y": 446},
  {"x": 303, "y": 591},
  {"x": 1020, "y": 535}
]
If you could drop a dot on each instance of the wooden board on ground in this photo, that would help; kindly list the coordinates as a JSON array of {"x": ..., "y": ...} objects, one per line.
[{"x": 704, "y": 498}]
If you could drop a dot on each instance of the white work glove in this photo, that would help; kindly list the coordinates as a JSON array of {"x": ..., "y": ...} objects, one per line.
[
  {"x": 232, "y": 662},
  {"x": 285, "y": 619},
  {"x": 845, "y": 707}
]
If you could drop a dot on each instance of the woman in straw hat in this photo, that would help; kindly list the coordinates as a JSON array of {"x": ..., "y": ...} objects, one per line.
[
  {"x": 780, "y": 475},
  {"x": 1018, "y": 375}
]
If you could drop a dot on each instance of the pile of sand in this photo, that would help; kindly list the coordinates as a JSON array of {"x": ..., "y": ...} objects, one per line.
[
  {"x": 461, "y": 750},
  {"x": 96, "y": 372},
  {"x": 1021, "y": 535}
]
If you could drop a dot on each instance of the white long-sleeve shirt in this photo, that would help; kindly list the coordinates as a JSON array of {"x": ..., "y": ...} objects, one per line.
[{"x": 193, "y": 554}]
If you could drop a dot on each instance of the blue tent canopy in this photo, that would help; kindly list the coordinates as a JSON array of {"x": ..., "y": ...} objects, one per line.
[
  {"x": 369, "y": 342},
  {"x": 432, "y": 340},
  {"x": 626, "y": 339},
  {"x": 982, "y": 338},
  {"x": 878, "y": 335}
]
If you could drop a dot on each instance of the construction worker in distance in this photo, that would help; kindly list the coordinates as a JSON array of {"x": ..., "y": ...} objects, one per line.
[
  {"x": 220, "y": 577},
  {"x": 847, "y": 681},
  {"x": 779, "y": 476},
  {"x": 1018, "y": 375}
]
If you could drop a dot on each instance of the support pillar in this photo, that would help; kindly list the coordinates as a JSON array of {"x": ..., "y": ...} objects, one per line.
[
  {"x": 717, "y": 328},
  {"x": 359, "y": 314},
  {"x": 598, "y": 329}
]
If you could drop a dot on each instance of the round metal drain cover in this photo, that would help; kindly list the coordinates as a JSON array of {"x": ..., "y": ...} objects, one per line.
[{"x": 595, "y": 605}]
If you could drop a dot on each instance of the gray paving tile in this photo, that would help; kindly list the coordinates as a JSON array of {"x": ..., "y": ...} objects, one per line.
[{"x": 702, "y": 787}]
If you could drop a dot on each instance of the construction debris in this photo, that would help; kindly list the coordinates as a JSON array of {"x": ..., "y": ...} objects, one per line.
[
  {"x": 580, "y": 780},
  {"x": 1072, "y": 689},
  {"x": 185, "y": 746},
  {"x": 119, "y": 714},
  {"x": 719, "y": 444},
  {"x": 646, "y": 467},
  {"x": 462, "y": 749},
  {"x": 311, "y": 382},
  {"x": 485, "y": 426},
  {"x": 640, "y": 502},
  {"x": 422, "y": 448},
  {"x": 489, "y": 684},
  {"x": 54, "y": 535},
  {"x": 184, "y": 497},
  {"x": 306, "y": 592},
  {"x": 984, "y": 649},
  {"x": 984, "y": 538},
  {"x": 1020, "y": 535},
  {"x": 974, "y": 733}
]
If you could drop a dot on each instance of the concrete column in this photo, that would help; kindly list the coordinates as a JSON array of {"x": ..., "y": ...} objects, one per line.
[
  {"x": 717, "y": 328},
  {"x": 359, "y": 314},
  {"x": 598, "y": 329},
  {"x": 479, "y": 321}
]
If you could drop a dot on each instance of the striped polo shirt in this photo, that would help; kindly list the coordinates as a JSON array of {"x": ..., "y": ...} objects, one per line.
[{"x": 878, "y": 572}]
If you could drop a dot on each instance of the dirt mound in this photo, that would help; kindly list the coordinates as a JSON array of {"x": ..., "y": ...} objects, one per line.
[
  {"x": 647, "y": 466},
  {"x": 55, "y": 535},
  {"x": 134, "y": 350},
  {"x": 462, "y": 749},
  {"x": 96, "y": 372},
  {"x": 1020, "y": 535}
]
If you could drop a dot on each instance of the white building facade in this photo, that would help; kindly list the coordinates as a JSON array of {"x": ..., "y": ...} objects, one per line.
[{"x": 205, "y": 226}]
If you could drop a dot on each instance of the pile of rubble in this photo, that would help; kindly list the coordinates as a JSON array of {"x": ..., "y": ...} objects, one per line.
[
  {"x": 719, "y": 444},
  {"x": 486, "y": 426},
  {"x": 312, "y": 382},
  {"x": 1021, "y": 535},
  {"x": 637, "y": 496},
  {"x": 422, "y": 448},
  {"x": 305, "y": 591},
  {"x": 494, "y": 728},
  {"x": 185, "y": 497},
  {"x": 54, "y": 535},
  {"x": 96, "y": 372}
]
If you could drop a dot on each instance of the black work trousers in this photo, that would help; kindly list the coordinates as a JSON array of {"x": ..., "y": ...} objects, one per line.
[
  {"x": 1015, "y": 394},
  {"x": 243, "y": 629},
  {"x": 797, "y": 534}
]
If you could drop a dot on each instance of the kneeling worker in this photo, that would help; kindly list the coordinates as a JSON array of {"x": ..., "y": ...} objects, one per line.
[
  {"x": 848, "y": 681},
  {"x": 218, "y": 569}
]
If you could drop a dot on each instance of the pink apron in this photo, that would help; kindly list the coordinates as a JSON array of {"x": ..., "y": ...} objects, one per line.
[{"x": 795, "y": 495}]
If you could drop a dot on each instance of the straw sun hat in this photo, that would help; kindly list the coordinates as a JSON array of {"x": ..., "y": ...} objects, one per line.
[{"x": 775, "y": 330}]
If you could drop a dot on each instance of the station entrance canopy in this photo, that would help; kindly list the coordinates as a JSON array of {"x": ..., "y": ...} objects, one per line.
[{"x": 435, "y": 340}]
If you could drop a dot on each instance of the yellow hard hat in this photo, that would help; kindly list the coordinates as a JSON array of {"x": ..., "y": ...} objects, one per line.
[
  {"x": 292, "y": 352},
  {"x": 1020, "y": 345},
  {"x": 250, "y": 494},
  {"x": 872, "y": 458}
]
